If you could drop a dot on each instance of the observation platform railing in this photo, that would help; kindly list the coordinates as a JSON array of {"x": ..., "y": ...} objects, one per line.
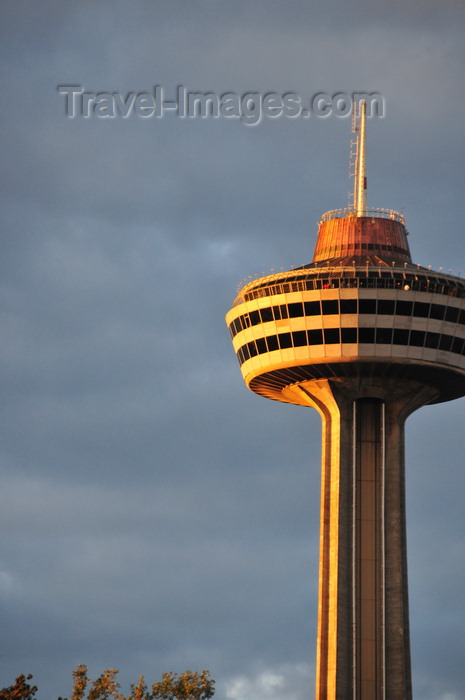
[
  {"x": 313, "y": 279},
  {"x": 372, "y": 213}
]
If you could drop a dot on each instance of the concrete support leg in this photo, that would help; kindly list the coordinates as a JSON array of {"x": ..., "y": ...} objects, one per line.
[{"x": 363, "y": 648}]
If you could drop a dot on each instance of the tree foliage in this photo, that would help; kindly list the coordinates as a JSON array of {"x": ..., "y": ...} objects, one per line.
[
  {"x": 80, "y": 682},
  {"x": 21, "y": 690},
  {"x": 190, "y": 685},
  {"x": 187, "y": 686}
]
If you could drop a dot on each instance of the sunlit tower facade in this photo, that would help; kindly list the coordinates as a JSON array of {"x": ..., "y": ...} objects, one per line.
[{"x": 366, "y": 337}]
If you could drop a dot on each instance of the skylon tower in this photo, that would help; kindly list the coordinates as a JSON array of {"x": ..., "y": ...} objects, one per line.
[{"x": 366, "y": 337}]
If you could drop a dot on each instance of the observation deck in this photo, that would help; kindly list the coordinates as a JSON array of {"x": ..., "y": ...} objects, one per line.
[
  {"x": 361, "y": 309},
  {"x": 358, "y": 321}
]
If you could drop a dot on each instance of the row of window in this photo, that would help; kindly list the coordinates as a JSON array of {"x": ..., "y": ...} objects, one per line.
[
  {"x": 390, "y": 307},
  {"x": 416, "y": 284},
  {"x": 332, "y": 336},
  {"x": 357, "y": 247}
]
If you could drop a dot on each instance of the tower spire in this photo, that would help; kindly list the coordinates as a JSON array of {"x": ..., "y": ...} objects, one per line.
[
  {"x": 358, "y": 233},
  {"x": 360, "y": 180}
]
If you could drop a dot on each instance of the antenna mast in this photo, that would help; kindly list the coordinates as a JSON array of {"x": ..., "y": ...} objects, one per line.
[{"x": 360, "y": 179}]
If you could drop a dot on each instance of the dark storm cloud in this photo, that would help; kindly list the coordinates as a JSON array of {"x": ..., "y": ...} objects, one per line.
[{"x": 156, "y": 514}]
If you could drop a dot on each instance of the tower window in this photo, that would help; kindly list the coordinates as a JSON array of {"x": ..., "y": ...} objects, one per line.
[
  {"x": 421, "y": 309},
  {"x": 272, "y": 342},
  {"x": 452, "y": 314},
  {"x": 386, "y": 306},
  {"x": 445, "y": 342},
  {"x": 437, "y": 311},
  {"x": 312, "y": 308},
  {"x": 384, "y": 335},
  {"x": 367, "y": 306},
  {"x": 417, "y": 338},
  {"x": 366, "y": 335},
  {"x": 299, "y": 338},
  {"x": 404, "y": 308},
  {"x": 295, "y": 310},
  {"x": 266, "y": 314},
  {"x": 254, "y": 318},
  {"x": 285, "y": 340},
  {"x": 331, "y": 335},
  {"x": 400, "y": 336},
  {"x": 330, "y": 306},
  {"x": 245, "y": 352},
  {"x": 252, "y": 348},
  {"x": 349, "y": 335},
  {"x": 457, "y": 345},
  {"x": 315, "y": 337},
  {"x": 432, "y": 340},
  {"x": 348, "y": 306}
]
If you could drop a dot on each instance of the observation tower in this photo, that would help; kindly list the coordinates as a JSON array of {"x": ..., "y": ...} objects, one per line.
[{"x": 366, "y": 337}]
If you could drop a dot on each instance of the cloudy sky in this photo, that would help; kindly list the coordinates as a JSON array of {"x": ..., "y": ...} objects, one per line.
[{"x": 157, "y": 515}]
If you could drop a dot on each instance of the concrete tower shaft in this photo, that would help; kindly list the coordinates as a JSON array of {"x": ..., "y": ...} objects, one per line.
[
  {"x": 366, "y": 337},
  {"x": 363, "y": 648}
]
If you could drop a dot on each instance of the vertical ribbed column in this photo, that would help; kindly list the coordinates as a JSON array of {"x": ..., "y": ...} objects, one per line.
[
  {"x": 334, "y": 667},
  {"x": 397, "y": 630},
  {"x": 369, "y": 550},
  {"x": 334, "y": 676}
]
